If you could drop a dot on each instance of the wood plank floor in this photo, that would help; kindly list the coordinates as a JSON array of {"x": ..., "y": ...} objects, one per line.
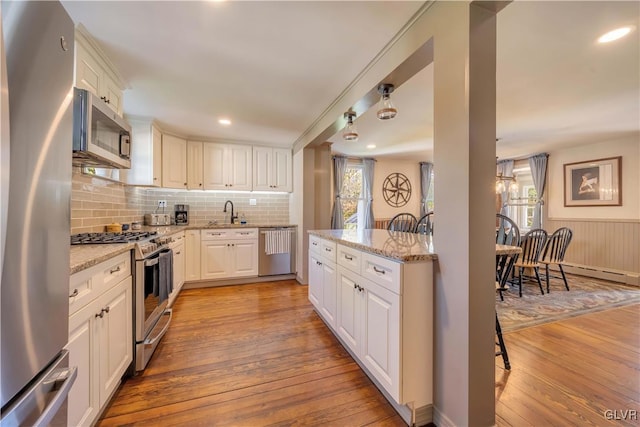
[{"x": 255, "y": 355}]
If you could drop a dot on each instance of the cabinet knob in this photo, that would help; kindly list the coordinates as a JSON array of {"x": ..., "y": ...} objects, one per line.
[
  {"x": 74, "y": 293},
  {"x": 106, "y": 309},
  {"x": 155, "y": 179},
  {"x": 185, "y": 184},
  {"x": 200, "y": 185},
  {"x": 108, "y": 101},
  {"x": 100, "y": 315},
  {"x": 178, "y": 253}
]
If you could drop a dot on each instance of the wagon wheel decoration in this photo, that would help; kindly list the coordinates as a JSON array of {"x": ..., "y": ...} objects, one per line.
[{"x": 396, "y": 189}]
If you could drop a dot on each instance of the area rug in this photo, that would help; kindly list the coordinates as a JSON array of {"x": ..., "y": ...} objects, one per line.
[{"x": 586, "y": 295}]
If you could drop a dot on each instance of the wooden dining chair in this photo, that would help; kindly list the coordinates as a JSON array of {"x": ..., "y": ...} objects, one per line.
[
  {"x": 504, "y": 265},
  {"x": 425, "y": 224},
  {"x": 554, "y": 252},
  {"x": 403, "y": 222},
  {"x": 532, "y": 244},
  {"x": 507, "y": 231}
]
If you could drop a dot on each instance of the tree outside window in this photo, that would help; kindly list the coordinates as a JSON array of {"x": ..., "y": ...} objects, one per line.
[{"x": 351, "y": 196}]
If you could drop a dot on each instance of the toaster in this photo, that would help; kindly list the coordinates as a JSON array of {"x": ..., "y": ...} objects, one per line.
[{"x": 157, "y": 219}]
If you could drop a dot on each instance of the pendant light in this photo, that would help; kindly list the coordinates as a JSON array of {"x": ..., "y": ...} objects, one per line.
[
  {"x": 350, "y": 133},
  {"x": 386, "y": 109}
]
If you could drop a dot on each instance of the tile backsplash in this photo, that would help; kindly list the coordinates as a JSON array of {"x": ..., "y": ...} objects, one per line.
[{"x": 96, "y": 202}]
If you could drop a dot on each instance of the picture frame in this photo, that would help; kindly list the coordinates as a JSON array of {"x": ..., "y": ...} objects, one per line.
[{"x": 593, "y": 182}]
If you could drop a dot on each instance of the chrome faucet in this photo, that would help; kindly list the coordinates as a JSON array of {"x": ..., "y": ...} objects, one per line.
[{"x": 225, "y": 210}]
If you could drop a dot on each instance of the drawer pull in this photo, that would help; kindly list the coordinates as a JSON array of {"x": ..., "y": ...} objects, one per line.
[
  {"x": 101, "y": 314},
  {"x": 74, "y": 293},
  {"x": 378, "y": 271},
  {"x": 115, "y": 270},
  {"x": 327, "y": 249},
  {"x": 350, "y": 258},
  {"x": 315, "y": 243},
  {"x": 245, "y": 234},
  {"x": 358, "y": 287},
  {"x": 216, "y": 234},
  {"x": 106, "y": 310},
  {"x": 318, "y": 262},
  {"x": 178, "y": 253}
]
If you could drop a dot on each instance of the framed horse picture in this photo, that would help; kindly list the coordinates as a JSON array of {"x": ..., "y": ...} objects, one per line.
[{"x": 593, "y": 183}]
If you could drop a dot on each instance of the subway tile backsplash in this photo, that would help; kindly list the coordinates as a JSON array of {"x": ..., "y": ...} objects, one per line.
[{"x": 96, "y": 202}]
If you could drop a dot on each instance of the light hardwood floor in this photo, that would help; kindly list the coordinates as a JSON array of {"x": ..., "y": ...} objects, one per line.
[{"x": 254, "y": 355}]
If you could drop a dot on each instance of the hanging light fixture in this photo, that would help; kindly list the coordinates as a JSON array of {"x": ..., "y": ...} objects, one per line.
[
  {"x": 386, "y": 109},
  {"x": 504, "y": 182},
  {"x": 350, "y": 133}
]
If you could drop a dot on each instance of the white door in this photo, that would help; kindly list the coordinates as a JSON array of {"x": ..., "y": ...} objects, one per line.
[
  {"x": 262, "y": 165},
  {"x": 245, "y": 261},
  {"x": 88, "y": 71},
  {"x": 315, "y": 281},
  {"x": 329, "y": 293},
  {"x": 240, "y": 163},
  {"x": 381, "y": 336},
  {"x": 194, "y": 165},
  {"x": 174, "y": 162},
  {"x": 178, "y": 266},
  {"x": 156, "y": 142},
  {"x": 84, "y": 401},
  {"x": 348, "y": 318},
  {"x": 111, "y": 93},
  {"x": 192, "y": 255},
  {"x": 214, "y": 169},
  {"x": 215, "y": 259},
  {"x": 282, "y": 170},
  {"x": 115, "y": 329}
]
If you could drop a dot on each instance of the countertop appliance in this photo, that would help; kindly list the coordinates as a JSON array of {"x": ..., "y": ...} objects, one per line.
[
  {"x": 35, "y": 176},
  {"x": 153, "y": 282},
  {"x": 157, "y": 219},
  {"x": 276, "y": 251},
  {"x": 182, "y": 214},
  {"x": 100, "y": 136}
]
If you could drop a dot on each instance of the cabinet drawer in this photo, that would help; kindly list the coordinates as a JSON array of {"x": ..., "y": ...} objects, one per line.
[
  {"x": 349, "y": 258},
  {"x": 315, "y": 244},
  {"x": 178, "y": 237},
  {"x": 244, "y": 233},
  {"x": 328, "y": 250},
  {"x": 382, "y": 271},
  {"x": 88, "y": 284},
  {"x": 216, "y": 234}
]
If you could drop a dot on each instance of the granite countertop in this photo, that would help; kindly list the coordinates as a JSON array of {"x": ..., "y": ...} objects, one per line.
[
  {"x": 396, "y": 245},
  {"x": 84, "y": 256}
]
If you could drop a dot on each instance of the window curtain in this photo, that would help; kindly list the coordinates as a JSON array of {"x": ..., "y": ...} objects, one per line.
[
  {"x": 505, "y": 167},
  {"x": 339, "y": 169},
  {"x": 367, "y": 190},
  {"x": 425, "y": 182},
  {"x": 538, "y": 165}
]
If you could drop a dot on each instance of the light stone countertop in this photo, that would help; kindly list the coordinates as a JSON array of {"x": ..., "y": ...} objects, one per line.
[
  {"x": 82, "y": 257},
  {"x": 507, "y": 250},
  {"x": 396, "y": 245}
]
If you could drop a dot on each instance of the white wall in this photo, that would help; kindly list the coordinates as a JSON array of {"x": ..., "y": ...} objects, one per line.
[
  {"x": 628, "y": 148},
  {"x": 384, "y": 167}
]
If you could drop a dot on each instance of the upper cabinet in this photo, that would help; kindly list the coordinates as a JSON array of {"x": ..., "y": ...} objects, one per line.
[
  {"x": 146, "y": 154},
  {"x": 94, "y": 71},
  {"x": 174, "y": 162},
  {"x": 195, "y": 177},
  {"x": 227, "y": 166},
  {"x": 272, "y": 169}
]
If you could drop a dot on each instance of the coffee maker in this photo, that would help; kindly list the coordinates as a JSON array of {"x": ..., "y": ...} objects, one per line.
[{"x": 182, "y": 214}]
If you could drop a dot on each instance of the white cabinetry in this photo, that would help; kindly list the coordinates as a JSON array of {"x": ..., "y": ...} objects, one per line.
[
  {"x": 178, "y": 248},
  {"x": 229, "y": 253},
  {"x": 192, "y": 255},
  {"x": 322, "y": 278},
  {"x": 227, "y": 166},
  {"x": 100, "y": 335},
  {"x": 174, "y": 162},
  {"x": 384, "y": 316},
  {"x": 146, "y": 154},
  {"x": 272, "y": 169},
  {"x": 94, "y": 72},
  {"x": 195, "y": 177}
]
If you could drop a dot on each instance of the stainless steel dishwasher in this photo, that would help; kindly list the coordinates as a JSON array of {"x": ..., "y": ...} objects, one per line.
[{"x": 278, "y": 257}]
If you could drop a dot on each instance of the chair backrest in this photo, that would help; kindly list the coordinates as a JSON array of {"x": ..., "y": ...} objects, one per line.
[
  {"x": 507, "y": 232},
  {"x": 532, "y": 244},
  {"x": 425, "y": 224},
  {"x": 557, "y": 245},
  {"x": 403, "y": 222}
]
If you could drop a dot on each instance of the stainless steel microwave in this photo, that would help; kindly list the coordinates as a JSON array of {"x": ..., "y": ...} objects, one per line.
[{"x": 100, "y": 136}]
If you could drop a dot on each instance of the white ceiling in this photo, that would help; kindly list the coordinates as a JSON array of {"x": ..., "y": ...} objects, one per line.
[{"x": 274, "y": 67}]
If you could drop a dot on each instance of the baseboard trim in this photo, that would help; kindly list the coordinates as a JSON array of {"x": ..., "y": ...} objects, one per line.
[
  {"x": 626, "y": 277},
  {"x": 238, "y": 281},
  {"x": 441, "y": 420}
]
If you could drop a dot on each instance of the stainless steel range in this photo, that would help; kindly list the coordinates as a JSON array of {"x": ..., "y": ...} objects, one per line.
[{"x": 153, "y": 282}]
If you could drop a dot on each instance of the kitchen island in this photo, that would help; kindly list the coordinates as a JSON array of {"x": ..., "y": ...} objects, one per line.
[{"x": 374, "y": 290}]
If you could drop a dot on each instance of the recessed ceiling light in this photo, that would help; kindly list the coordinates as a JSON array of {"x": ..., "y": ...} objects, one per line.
[
  {"x": 224, "y": 122},
  {"x": 371, "y": 146},
  {"x": 616, "y": 34}
]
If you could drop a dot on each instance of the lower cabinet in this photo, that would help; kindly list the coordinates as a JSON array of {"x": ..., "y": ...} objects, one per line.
[
  {"x": 228, "y": 253},
  {"x": 100, "y": 343},
  {"x": 192, "y": 255},
  {"x": 178, "y": 247}
]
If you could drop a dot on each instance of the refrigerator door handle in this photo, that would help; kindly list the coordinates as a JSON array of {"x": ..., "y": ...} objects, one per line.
[{"x": 52, "y": 409}]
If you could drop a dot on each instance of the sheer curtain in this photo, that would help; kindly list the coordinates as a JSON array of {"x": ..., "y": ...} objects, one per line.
[
  {"x": 339, "y": 168},
  {"x": 425, "y": 181},
  {"x": 505, "y": 167},
  {"x": 538, "y": 165},
  {"x": 367, "y": 192}
]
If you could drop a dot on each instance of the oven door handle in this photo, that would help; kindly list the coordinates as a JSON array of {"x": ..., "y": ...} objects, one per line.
[
  {"x": 161, "y": 333},
  {"x": 151, "y": 262}
]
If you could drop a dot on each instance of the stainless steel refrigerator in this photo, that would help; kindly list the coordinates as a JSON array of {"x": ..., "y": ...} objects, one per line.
[{"x": 35, "y": 171}]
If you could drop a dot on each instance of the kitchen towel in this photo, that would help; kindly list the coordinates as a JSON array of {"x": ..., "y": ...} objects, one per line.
[
  {"x": 277, "y": 241},
  {"x": 166, "y": 274}
]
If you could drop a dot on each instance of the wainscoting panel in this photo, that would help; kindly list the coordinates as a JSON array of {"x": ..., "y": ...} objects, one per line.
[{"x": 607, "y": 245}]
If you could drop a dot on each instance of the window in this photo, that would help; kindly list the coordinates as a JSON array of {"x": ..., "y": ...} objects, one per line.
[
  {"x": 351, "y": 196},
  {"x": 430, "y": 195},
  {"x": 522, "y": 203},
  {"x": 528, "y": 193}
]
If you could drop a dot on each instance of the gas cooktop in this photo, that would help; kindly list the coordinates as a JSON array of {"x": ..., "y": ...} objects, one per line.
[{"x": 101, "y": 238}]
